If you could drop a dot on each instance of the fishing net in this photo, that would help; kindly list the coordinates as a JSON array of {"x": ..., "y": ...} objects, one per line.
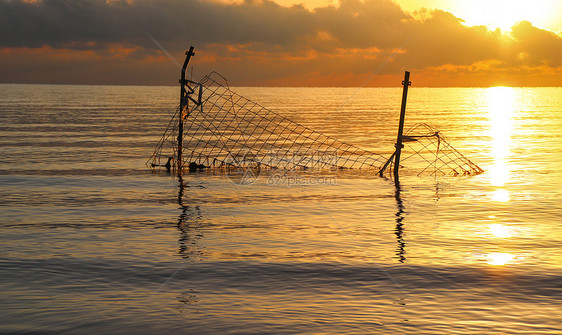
[
  {"x": 227, "y": 130},
  {"x": 428, "y": 152},
  {"x": 223, "y": 130}
]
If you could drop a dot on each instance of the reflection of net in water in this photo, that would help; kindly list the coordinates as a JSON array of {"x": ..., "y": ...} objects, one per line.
[{"x": 225, "y": 130}]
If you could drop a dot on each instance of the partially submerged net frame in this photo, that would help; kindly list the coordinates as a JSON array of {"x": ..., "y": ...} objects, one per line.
[
  {"x": 223, "y": 130},
  {"x": 229, "y": 131},
  {"x": 430, "y": 152}
]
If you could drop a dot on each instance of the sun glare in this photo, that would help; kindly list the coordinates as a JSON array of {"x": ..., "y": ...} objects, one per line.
[
  {"x": 499, "y": 230},
  {"x": 494, "y": 14},
  {"x": 499, "y": 258},
  {"x": 504, "y": 14},
  {"x": 500, "y": 195},
  {"x": 500, "y": 112}
]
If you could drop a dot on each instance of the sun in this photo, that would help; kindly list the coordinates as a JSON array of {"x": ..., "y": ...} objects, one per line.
[{"x": 504, "y": 14}]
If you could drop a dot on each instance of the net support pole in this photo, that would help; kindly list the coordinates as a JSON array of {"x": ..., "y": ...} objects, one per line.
[
  {"x": 406, "y": 83},
  {"x": 183, "y": 107}
]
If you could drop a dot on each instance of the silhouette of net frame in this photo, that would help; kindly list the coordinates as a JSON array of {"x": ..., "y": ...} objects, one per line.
[
  {"x": 434, "y": 154},
  {"x": 228, "y": 131}
]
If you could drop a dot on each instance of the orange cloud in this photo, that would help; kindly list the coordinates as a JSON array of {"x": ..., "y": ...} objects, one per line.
[
  {"x": 262, "y": 43},
  {"x": 67, "y": 66}
]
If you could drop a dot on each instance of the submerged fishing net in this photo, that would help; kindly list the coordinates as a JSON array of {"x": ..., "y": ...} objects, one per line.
[
  {"x": 427, "y": 150},
  {"x": 223, "y": 130},
  {"x": 228, "y": 130}
]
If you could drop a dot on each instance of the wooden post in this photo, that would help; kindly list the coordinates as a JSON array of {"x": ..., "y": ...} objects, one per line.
[
  {"x": 399, "y": 144},
  {"x": 183, "y": 107}
]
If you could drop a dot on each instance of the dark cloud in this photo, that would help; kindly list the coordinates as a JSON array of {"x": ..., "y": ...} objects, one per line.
[
  {"x": 65, "y": 22},
  {"x": 443, "y": 39},
  {"x": 535, "y": 46},
  {"x": 354, "y": 24},
  {"x": 255, "y": 39}
]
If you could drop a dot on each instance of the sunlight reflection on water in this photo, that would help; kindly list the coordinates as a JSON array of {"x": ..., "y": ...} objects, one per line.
[
  {"x": 501, "y": 104},
  {"x": 500, "y": 195},
  {"x": 499, "y": 258},
  {"x": 88, "y": 234},
  {"x": 499, "y": 230}
]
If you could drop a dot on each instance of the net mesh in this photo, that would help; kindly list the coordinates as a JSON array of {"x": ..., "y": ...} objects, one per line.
[
  {"x": 225, "y": 130},
  {"x": 428, "y": 150}
]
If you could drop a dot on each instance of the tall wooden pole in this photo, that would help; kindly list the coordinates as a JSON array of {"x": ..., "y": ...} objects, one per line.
[
  {"x": 399, "y": 144},
  {"x": 183, "y": 107}
]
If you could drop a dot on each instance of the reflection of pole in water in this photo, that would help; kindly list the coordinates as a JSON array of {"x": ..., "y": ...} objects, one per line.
[
  {"x": 188, "y": 243},
  {"x": 399, "y": 230},
  {"x": 188, "y": 232}
]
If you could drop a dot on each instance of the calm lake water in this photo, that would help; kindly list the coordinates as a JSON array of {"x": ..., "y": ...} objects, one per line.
[{"x": 93, "y": 242}]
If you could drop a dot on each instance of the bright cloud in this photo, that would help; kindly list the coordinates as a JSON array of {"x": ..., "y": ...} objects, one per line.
[{"x": 261, "y": 42}]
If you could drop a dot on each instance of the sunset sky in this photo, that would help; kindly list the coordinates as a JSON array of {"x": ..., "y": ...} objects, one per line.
[{"x": 283, "y": 42}]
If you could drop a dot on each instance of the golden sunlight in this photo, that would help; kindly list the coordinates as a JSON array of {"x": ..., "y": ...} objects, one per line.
[
  {"x": 494, "y": 14},
  {"x": 504, "y": 14},
  {"x": 500, "y": 112},
  {"x": 499, "y": 231},
  {"x": 499, "y": 258},
  {"x": 500, "y": 195}
]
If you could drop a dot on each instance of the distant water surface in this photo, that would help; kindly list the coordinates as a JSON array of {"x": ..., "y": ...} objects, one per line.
[{"x": 93, "y": 242}]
